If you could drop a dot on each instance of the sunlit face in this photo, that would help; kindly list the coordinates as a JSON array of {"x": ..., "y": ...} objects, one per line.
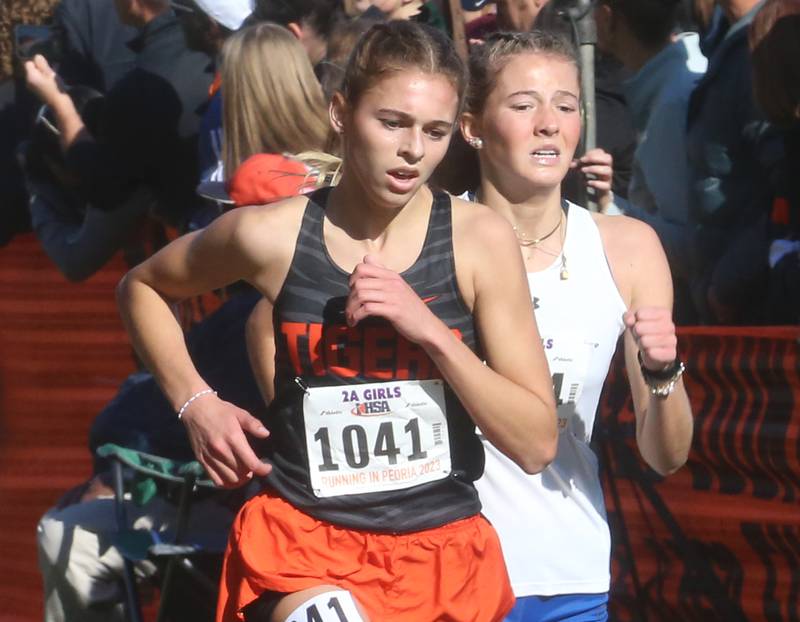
[
  {"x": 397, "y": 134},
  {"x": 531, "y": 123}
]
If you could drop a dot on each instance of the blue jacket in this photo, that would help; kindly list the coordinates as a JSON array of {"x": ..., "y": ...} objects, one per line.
[
  {"x": 734, "y": 158},
  {"x": 658, "y": 97}
]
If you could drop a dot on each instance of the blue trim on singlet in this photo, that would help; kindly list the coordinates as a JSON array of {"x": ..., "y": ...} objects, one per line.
[{"x": 560, "y": 608}]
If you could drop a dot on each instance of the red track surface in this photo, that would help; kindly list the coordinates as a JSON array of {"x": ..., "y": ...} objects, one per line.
[{"x": 63, "y": 353}]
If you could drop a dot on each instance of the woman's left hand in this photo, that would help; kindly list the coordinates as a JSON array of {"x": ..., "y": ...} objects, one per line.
[
  {"x": 42, "y": 80},
  {"x": 378, "y": 291},
  {"x": 654, "y": 332},
  {"x": 597, "y": 166}
]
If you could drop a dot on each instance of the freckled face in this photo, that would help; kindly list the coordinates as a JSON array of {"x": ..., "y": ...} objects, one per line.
[
  {"x": 398, "y": 133},
  {"x": 531, "y": 122}
]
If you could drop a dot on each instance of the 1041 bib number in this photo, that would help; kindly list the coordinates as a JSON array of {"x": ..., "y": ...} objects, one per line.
[
  {"x": 396, "y": 439},
  {"x": 356, "y": 445}
]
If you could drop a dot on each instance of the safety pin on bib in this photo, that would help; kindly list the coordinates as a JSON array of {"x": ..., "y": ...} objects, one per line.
[{"x": 301, "y": 383}]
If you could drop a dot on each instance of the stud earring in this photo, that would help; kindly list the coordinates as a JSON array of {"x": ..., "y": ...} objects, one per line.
[{"x": 475, "y": 143}]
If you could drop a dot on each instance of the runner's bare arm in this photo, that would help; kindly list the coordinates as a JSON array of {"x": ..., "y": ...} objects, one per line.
[
  {"x": 511, "y": 397},
  {"x": 230, "y": 249},
  {"x": 664, "y": 426}
]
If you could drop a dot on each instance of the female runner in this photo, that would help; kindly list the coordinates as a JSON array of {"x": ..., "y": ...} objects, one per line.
[
  {"x": 381, "y": 292},
  {"x": 592, "y": 277}
]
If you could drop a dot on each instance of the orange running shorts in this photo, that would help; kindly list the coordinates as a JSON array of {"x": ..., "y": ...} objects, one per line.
[{"x": 453, "y": 573}]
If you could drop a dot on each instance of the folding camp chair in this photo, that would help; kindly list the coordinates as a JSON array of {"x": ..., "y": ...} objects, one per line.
[{"x": 147, "y": 475}]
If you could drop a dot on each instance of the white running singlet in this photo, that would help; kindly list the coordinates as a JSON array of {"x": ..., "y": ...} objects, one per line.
[{"x": 552, "y": 525}]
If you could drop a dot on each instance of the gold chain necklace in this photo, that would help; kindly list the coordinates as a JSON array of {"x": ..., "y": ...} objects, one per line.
[
  {"x": 563, "y": 273},
  {"x": 525, "y": 242}
]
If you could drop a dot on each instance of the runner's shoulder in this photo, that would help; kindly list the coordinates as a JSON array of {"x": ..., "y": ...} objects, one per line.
[
  {"x": 264, "y": 230},
  {"x": 476, "y": 223},
  {"x": 626, "y": 237},
  {"x": 633, "y": 250}
]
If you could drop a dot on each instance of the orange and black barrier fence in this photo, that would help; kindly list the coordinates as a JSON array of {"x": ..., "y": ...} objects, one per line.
[{"x": 720, "y": 539}]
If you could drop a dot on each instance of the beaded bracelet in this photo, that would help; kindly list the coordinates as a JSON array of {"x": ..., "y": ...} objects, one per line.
[
  {"x": 662, "y": 382},
  {"x": 192, "y": 399}
]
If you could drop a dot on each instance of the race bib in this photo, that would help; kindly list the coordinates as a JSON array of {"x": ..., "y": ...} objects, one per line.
[
  {"x": 376, "y": 437},
  {"x": 568, "y": 356}
]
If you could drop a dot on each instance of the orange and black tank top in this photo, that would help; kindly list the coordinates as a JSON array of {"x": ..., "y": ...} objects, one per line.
[{"x": 317, "y": 350}]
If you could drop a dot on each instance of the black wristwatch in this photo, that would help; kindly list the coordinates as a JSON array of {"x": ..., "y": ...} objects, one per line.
[{"x": 662, "y": 382}]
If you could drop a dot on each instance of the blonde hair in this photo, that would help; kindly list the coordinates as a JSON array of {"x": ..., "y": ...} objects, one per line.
[
  {"x": 325, "y": 169},
  {"x": 271, "y": 100}
]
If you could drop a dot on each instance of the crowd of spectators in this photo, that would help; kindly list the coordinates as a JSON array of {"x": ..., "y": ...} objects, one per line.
[
  {"x": 112, "y": 114},
  {"x": 713, "y": 178}
]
